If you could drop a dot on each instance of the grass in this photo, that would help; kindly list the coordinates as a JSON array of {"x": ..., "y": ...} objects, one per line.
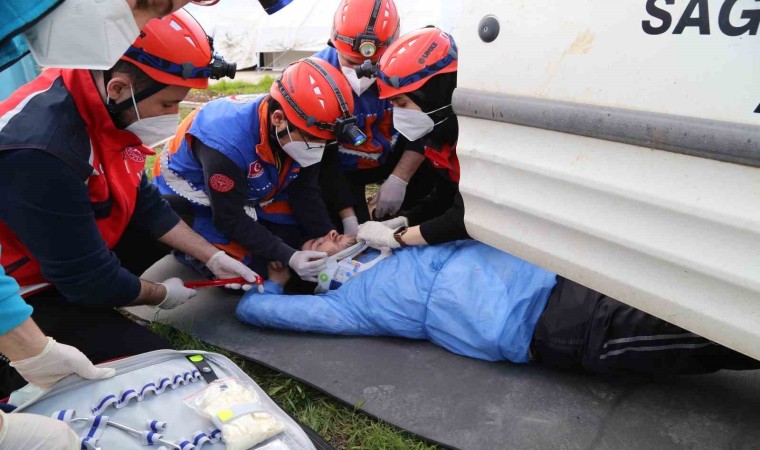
[
  {"x": 227, "y": 87},
  {"x": 345, "y": 427}
]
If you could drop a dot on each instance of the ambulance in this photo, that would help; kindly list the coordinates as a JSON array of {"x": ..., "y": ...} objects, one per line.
[{"x": 617, "y": 143}]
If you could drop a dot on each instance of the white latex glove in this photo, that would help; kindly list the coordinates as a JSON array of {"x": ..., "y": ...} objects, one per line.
[
  {"x": 396, "y": 222},
  {"x": 57, "y": 361},
  {"x": 224, "y": 266},
  {"x": 36, "y": 432},
  {"x": 377, "y": 235},
  {"x": 390, "y": 196},
  {"x": 350, "y": 225},
  {"x": 176, "y": 293},
  {"x": 308, "y": 264}
]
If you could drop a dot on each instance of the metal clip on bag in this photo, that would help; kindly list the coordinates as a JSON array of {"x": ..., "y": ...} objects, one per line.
[{"x": 143, "y": 405}]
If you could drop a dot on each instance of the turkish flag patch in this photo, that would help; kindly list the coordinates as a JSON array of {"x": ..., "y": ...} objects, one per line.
[
  {"x": 221, "y": 183},
  {"x": 134, "y": 154},
  {"x": 255, "y": 170}
]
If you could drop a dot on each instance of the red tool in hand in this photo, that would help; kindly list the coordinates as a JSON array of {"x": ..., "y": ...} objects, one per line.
[{"x": 222, "y": 282}]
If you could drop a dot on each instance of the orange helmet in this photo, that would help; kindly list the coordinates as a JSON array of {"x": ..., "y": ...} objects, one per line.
[
  {"x": 364, "y": 28},
  {"x": 413, "y": 59},
  {"x": 317, "y": 98},
  {"x": 174, "y": 50}
]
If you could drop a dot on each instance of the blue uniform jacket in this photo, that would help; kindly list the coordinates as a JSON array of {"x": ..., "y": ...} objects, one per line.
[
  {"x": 465, "y": 296},
  {"x": 232, "y": 126}
]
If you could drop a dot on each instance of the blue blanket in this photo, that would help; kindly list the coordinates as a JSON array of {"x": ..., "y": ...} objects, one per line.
[{"x": 465, "y": 296}]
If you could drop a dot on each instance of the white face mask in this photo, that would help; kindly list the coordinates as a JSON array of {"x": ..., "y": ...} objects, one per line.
[
  {"x": 83, "y": 34},
  {"x": 413, "y": 124},
  {"x": 304, "y": 153},
  {"x": 153, "y": 131},
  {"x": 359, "y": 85}
]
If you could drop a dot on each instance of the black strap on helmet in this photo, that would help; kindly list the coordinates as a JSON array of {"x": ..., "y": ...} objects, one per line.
[
  {"x": 344, "y": 127},
  {"x": 367, "y": 37},
  {"x": 311, "y": 120},
  {"x": 217, "y": 68}
]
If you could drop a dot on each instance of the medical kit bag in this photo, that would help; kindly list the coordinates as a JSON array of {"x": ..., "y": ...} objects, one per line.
[{"x": 168, "y": 400}]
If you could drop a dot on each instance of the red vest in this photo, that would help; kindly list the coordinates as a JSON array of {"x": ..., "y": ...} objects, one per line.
[
  {"x": 445, "y": 159},
  {"x": 117, "y": 158}
]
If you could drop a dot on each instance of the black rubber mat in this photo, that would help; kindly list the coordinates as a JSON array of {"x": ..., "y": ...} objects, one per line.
[{"x": 471, "y": 404}]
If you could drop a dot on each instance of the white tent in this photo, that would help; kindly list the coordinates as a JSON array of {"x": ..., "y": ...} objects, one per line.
[{"x": 242, "y": 30}]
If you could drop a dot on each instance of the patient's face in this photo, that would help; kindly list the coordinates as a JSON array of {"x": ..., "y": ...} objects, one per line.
[{"x": 331, "y": 243}]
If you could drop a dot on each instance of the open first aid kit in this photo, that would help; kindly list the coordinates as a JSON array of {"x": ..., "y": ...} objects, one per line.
[{"x": 168, "y": 399}]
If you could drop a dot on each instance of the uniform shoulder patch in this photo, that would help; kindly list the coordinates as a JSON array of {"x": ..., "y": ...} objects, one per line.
[{"x": 221, "y": 183}]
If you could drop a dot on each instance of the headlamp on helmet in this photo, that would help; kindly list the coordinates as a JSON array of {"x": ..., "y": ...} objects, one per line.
[
  {"x": 347, "y": 131},
  {"x": 217, "y": 68},
  {"x": 343, "y": 128},
  {"x": 381, "y": 29}
]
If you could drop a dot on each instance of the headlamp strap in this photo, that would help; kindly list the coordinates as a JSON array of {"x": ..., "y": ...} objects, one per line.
[
  {"x": 114, "y": 107},
  {"x": 310, "y": 120},
  {"x": 370, "y": 29},
  {"x": 334, "y": 86},
  {"x": 185, "y": 70}
]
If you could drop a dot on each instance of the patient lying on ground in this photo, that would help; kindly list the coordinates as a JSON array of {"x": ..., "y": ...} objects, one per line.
[{"x": 478, "y": 301}]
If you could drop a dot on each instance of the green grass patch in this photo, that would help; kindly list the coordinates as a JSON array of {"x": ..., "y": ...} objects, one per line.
[
  {"x": 346, "y": 428},
  {"x": 232, "y": 87}
]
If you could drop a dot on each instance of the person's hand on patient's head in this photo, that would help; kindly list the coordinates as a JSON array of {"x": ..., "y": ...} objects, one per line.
[
  {"x": 278, "y": 272},
  {"x": 308, "y": 263},
  {"x": 350, "y": 225},
  {"x": 312, "y": 258}
]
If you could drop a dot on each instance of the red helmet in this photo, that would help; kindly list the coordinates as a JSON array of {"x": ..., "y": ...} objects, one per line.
[
  {"x": 413, "y": 59},
  {"x": 174, "y": 50},
  {"x": 317, "y": 98},
  {"x": 364, "y": 28}
]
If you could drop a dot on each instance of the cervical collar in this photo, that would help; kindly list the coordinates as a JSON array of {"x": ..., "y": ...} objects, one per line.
[{"x": 341, "y": 267}]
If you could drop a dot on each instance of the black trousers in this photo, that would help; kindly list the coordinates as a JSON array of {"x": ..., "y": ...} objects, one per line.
[
  {"x": 102, "y": 334},
  {"x": 582, "y": 329}
]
